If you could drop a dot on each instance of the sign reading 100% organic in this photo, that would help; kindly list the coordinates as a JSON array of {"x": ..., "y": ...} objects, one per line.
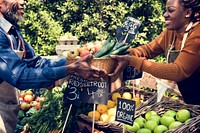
[{"x": 125, "y": 111}]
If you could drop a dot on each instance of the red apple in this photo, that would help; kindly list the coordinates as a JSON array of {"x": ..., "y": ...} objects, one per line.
[
  {"x": 97, "y": 48},
  {"x": 84, "y": 53}
]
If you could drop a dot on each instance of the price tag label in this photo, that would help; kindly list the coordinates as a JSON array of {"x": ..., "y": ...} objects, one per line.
[
  {"x": 128, "y": 31},
  {"x": 125, "y": 111},
  {"x": 80, "y": 90},
  {"x": 131, "y": 73}
]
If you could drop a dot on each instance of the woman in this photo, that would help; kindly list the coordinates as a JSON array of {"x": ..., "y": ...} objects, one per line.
[{"x": 180, "y": 42}]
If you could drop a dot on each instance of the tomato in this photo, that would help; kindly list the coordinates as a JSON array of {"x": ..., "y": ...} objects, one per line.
[
  {"x": 29, "y": 92},
  {"x": 33, "y": 103},
  {"x": 84, "y": 53},
  {"x": 28, "y": 98},
  {"x": 22, "y": 95},
  {"x": 25, "y": 106},
  {"x": 38, "y": 106},
  {"x": 38, "y": 99}
]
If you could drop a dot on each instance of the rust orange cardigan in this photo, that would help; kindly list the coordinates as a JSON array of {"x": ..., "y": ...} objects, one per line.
[{"x": 186, "y": 63}]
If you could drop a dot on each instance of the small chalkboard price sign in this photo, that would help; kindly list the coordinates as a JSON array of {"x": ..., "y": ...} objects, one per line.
[
  {"x": 95, "y": 92},
  {"x": 72, "y": 92},
  {"x": 80, "y": 90},
  {"x": 125, "y": 111},
  {"x": 128, "y": 30},
  {"x": 131, "y": 73}
]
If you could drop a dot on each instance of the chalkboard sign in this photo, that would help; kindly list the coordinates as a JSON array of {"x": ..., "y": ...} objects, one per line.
[
  {"x": 80, "y": 90},
  {"x": 125, "y": 111},
  {"x": 72, "y": 92},
  {"x": 128, "y": 31},
  {"x": 131, "y": 73},
  {"x": 95, "y": 92}
]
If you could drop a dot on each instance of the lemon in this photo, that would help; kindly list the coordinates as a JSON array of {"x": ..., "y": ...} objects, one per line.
[
  {"x": 137, "y": 100},
  {"x": 112, "y": 111},
  {"x": 101, "y": 108},
  {"x": 104, "y": 117},
  {"x": 115, "y": 96},
  {"x": 96, "y": 115},
  {"x": 127, "y": 95},
  {"x": 111, "y": 118},
  {"x": 110, "y": 104}
]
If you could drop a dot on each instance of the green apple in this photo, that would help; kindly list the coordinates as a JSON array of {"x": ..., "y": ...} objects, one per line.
[
  {"x": 171, "y": 113},
  {"x": 150, "y": 113},
  {"x": 182, "y": 115},
  {"x": 188, "y": 120},
  {"x": 140, "y": 120},
  {"x": 166, "y": 120},
  {"x": 155, "y": 118},
  {"x": 150, "y": 124},
  {"x": 160, "y": 129},
  {"x": 144, "y": 130},
  {"x": 133, "y": 128},
  {"x": 174, "y": 124}
]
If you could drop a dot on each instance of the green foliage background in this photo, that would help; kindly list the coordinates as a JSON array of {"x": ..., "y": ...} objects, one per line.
[{"x": 89, "y": 20}]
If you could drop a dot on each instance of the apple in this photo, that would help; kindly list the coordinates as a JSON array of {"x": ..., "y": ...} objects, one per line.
[
  {"x": 160, "y": 129},
  {"x": 140, "y": 120},
  {"x": 166, "y": 120},
  {"x": 188, "y": 120},
  {"x": 97, "y": 48},
  {"x": 80, "y": 49},
  {"x": 182, "y": 115},
  {"x": 28, "y": 98},
  {"x": 72, "y": 53},
  {"x": 149, "y": 113},
  {"x": 25, "y": 106},
  {"x": 174, "y": 124},
  {"x": 134, "y": 128},
  {"x": 155, "y": 118},
  {"x": 171, "y": 113},
  {"x": 84, "y": 53},
  {"x": 150, "y": 124},
  {"x": 144, "y": 130}
]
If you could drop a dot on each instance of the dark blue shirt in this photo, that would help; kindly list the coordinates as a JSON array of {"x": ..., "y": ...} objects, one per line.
[{"x": 32, "y": 71}]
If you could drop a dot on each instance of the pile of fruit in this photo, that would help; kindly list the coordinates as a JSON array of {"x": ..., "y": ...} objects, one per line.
[
  {"x": 29, "y": 104},
  {"x": 106, "y": 113},
  {"x": 152, "y": 122},
  {"x": 99, "y": 49}
]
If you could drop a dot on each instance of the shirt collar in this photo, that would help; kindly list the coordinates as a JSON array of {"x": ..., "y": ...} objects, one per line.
[{"x": 5, "y": 25}]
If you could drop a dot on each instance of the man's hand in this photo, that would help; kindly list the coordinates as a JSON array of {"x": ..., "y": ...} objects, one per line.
[
  {"x": 82, "y": 67},
  {"x": 123, "y": 61}
]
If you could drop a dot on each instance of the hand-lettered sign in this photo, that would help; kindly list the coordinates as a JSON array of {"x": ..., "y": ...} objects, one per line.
[
  {"x": 131, "y": 73},
  {"x": 80, "y": 90},
  {"x": 128, "y": 31},
  {"x": 125, "y": 111}
]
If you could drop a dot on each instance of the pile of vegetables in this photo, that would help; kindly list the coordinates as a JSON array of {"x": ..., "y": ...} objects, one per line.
[{"x": 51, "y": 117}]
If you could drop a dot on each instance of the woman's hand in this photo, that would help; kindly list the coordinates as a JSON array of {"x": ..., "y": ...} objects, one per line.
[
  {"x": 82, "y": 67},
  {"x": 123, "y": 61}
]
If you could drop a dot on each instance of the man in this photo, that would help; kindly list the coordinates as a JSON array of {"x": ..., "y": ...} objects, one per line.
[{"x": 20, "y": 67}]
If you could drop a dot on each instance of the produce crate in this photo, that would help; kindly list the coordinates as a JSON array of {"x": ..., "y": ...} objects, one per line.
[
  {"x": 116, "y": 127},
  {"x": 192, "y": 126}
]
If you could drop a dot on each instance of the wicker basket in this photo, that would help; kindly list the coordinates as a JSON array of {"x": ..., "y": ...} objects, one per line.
[
  {"x": 193, "y": 126},
  {"x": 107, "y": 64},
  {"x": 115, "y": 127}
]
